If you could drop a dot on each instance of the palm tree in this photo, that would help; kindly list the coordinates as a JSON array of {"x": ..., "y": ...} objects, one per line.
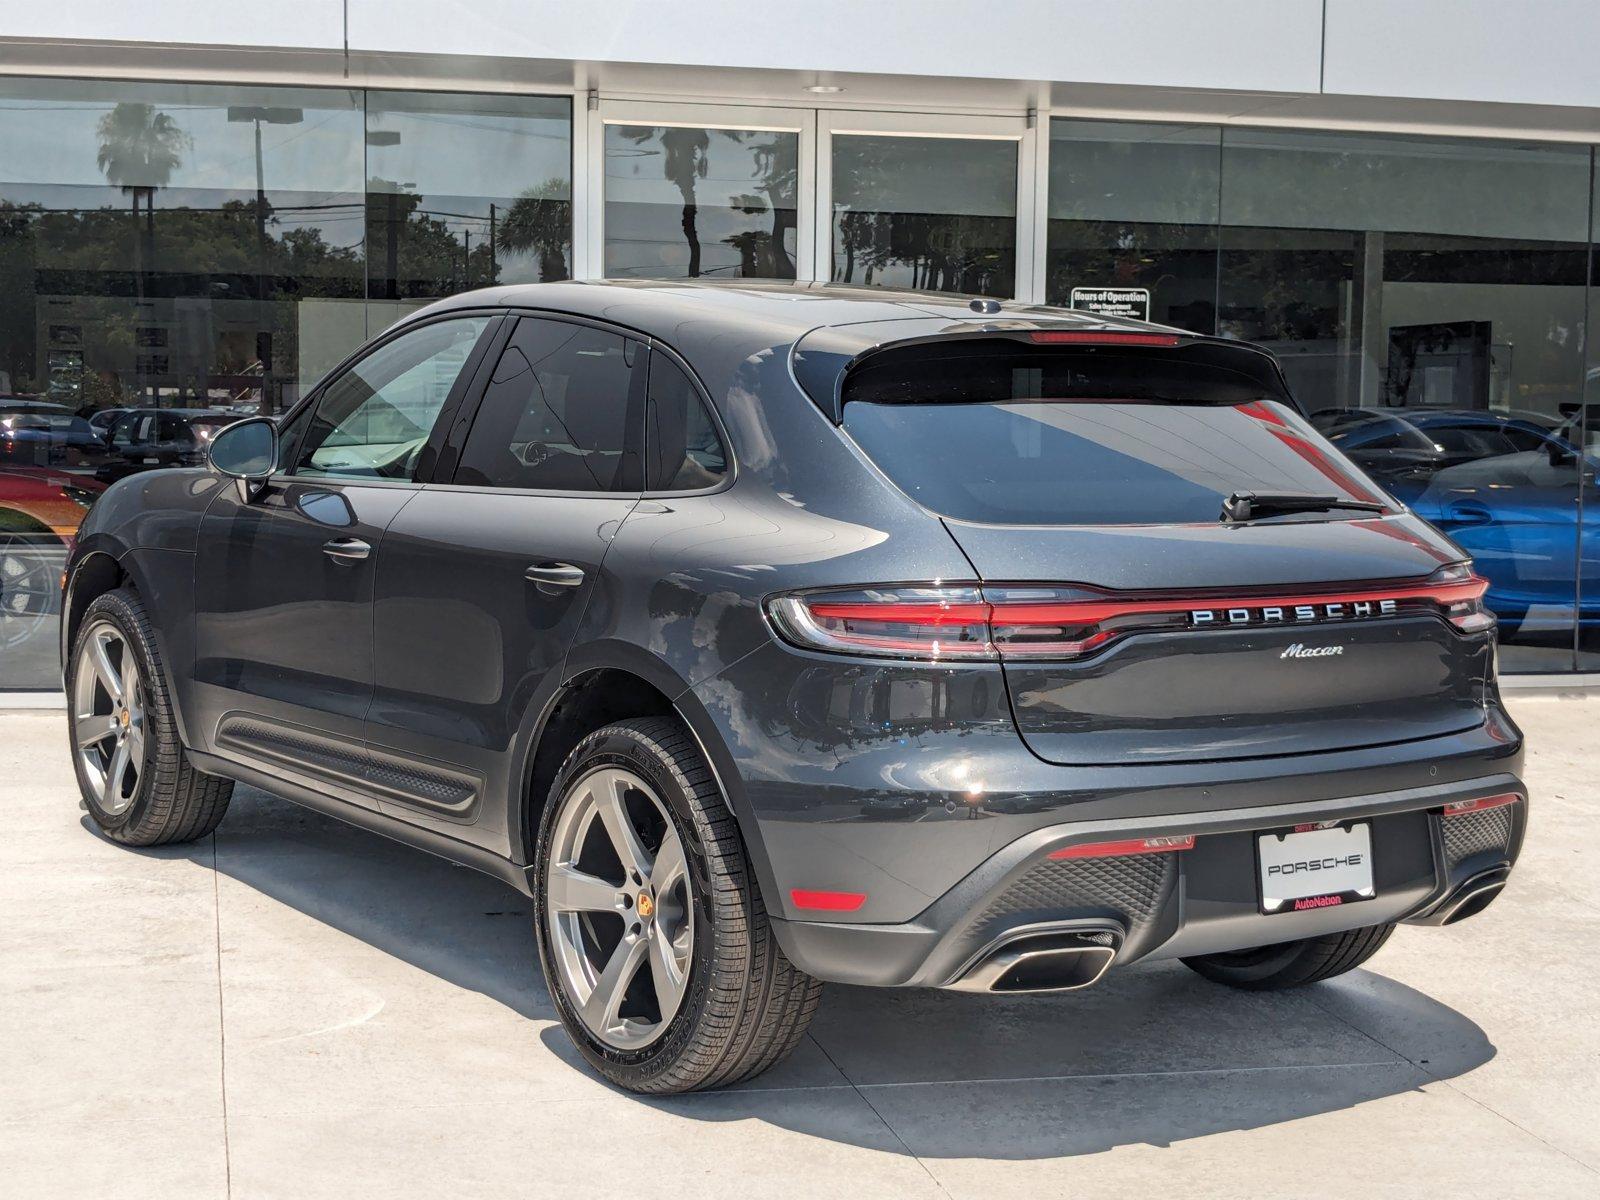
[
  {"x": 776, "y": 170},
  {"x": 539, "y": 222},
  {"x": 139, "y": 150},
  {"x": 683, "y": 163}
]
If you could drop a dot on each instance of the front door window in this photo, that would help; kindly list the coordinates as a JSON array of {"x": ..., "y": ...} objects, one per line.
[{"x": 373, "y": 421}]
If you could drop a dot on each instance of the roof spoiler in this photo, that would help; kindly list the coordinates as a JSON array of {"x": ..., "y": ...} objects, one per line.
[{"x": 826, "y": 356}]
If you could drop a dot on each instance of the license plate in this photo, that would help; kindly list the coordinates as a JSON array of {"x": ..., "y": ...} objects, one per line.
[{"x": 1315, "y": 868}]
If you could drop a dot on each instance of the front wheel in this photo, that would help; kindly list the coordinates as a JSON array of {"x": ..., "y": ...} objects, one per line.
[
  {"x": 652, "y": 933},
  {"x": 133, "y": 772},
  {"x": 1291, "y": 964}
]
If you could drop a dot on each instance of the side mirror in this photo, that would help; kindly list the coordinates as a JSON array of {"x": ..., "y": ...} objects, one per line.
[
  {"x": 1558, "y": 454},
  {"x": 246, "y": 452}
]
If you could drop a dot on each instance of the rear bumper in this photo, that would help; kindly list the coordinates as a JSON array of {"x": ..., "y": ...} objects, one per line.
[{"x": 1428, "y": 868}]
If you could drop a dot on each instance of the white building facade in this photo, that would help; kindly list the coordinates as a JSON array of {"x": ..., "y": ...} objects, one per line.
[{"x": 205, "y": 206}]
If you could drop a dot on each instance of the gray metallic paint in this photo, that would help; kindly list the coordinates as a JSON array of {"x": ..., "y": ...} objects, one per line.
[{"x": 898, "y": 780}]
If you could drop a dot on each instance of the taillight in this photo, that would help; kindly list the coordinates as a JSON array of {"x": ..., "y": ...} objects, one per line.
[
  {"x": 1021, "y": 622},
  {"x": 937, "y": 623},
  {"x": 1461, "y": 597}
]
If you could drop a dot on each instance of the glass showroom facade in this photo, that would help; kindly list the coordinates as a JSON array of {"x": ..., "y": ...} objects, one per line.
[{"x": 173, "y": 256}]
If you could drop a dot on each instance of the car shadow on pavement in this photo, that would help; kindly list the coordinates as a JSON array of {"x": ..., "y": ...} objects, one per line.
[{"x": 1153, "y": 1055}]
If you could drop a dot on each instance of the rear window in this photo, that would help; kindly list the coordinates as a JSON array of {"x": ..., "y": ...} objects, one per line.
[{"x": 1005, "y": 450}]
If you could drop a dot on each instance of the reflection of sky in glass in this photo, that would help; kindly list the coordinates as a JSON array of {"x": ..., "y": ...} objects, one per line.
[
  {"x": 49, "y": 131},
  {"x": 1118, "y": 171},
  {"x": 470, "y": 145},
  {"x": 971, "y": 176},
  {"x": 1394, "y": 183}
]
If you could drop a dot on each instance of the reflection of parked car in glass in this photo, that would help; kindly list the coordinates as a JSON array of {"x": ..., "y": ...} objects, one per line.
[
  {"x": 35, "y": 500},
  {"x": 40, "y": 510},
  {"x": 102, "y": 419},
  {"x": 47, "y": 436},
  {"x": 1401, "y": 445},
  {"x": 143, "y": 439}
]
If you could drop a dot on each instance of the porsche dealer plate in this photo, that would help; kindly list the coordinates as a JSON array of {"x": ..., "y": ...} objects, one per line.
[{"x": 1315, "y": 867}]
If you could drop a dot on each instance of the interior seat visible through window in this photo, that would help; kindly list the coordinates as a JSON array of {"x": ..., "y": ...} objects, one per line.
[{"x": 562, "y": 412}]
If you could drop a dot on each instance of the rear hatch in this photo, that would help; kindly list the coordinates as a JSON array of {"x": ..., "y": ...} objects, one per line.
[{"x": 1086, "y": 485}]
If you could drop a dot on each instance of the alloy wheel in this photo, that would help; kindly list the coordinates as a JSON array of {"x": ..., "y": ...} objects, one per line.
[
  {"x": 619, "y": 908},
  {"x": 108, "y": 717}
]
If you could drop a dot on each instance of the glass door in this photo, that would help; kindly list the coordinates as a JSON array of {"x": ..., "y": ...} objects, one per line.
[
  {"x": 911, "y": 200},
  {"x": 693, "y": 191}
]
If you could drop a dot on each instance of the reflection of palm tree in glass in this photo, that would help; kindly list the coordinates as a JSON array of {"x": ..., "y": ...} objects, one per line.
[
  {"x": 776, "y": 172},
  {"x": 140, "y": 148},
  {"x": 539, "y": 222},
  {"x": 941, "y": 251},
  {"x": 685, "y": 160}
]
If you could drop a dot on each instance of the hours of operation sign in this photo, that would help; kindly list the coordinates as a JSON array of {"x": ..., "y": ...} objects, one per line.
[{"x": 1131, "y": 303}]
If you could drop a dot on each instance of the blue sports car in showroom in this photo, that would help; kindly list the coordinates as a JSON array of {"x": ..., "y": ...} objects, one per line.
[{"x": 1506, "y": 489}]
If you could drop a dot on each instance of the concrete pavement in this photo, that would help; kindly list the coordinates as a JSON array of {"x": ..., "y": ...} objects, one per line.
[{"x": 295, "y": 1008}]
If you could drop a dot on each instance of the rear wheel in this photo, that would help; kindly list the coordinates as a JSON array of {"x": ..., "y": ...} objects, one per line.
[
  {"x": 654, "y": 940},
  {"x": 135, "y": 777},
  {"x": 1291, "y": 964}
]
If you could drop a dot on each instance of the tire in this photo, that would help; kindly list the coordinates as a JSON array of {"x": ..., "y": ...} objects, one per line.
[
  {"x": 739, "y": 1005},
  {"x": 1292, "y": 964},
  {"x": 157, "y": 796}
]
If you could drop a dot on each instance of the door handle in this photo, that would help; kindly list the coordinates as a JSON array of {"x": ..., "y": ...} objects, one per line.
[
  {"x": 346, "y": 549},
  {"x": 554, "y": 575},
  {"x": 1469, "y": 512}
]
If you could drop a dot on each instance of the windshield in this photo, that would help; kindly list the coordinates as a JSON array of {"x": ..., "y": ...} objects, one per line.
[{"x": 1104, "y": 462}]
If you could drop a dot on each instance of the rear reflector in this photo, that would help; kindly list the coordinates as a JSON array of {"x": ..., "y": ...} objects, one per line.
[
  {"x": 1458, "y": 807},
  {"x": 827, "y": 901},
  {"x": 1155, "y": 845},
  {"x": 1086, "y": 337}
]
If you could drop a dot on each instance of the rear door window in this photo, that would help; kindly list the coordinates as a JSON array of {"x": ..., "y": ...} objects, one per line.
[
  {"x": 563, "y": 411},
  {"x": 1035, "y": 442}
]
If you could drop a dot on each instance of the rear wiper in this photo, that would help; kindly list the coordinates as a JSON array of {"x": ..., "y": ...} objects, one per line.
[{"x": 1247, "y": 506}]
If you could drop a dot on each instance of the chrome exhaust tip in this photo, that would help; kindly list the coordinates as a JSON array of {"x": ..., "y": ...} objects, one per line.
[
  {"x": 1473, "y": 896},
  {"x": 1061, "y": 960},
  {"x": 1470, "y": 899}
]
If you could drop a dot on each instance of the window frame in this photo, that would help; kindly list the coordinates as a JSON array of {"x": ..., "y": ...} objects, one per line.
[{"x": 432, "y": 448}]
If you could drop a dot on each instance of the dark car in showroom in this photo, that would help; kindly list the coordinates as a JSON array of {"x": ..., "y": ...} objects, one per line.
[
  {"x": 767, "y": 635},
  {"x": 144, "y": 439},
  {"x": 46, "y": 435}
]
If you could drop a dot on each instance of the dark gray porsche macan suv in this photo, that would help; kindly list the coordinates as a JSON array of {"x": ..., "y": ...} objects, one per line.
[{"x": 767, "y": 635}]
